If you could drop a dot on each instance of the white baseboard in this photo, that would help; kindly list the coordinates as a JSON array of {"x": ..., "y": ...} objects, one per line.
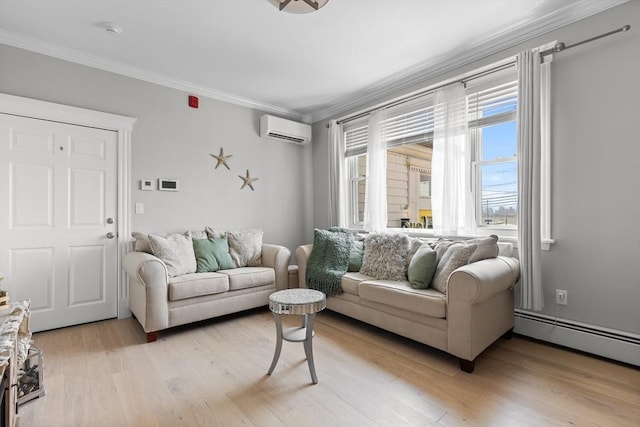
[{"x": 612, "y": 344}]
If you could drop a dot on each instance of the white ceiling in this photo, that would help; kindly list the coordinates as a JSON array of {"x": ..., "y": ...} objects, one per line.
[{"x": 301, "y": 66}]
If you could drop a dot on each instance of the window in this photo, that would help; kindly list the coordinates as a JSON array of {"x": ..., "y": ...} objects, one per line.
[
  {"x": 425, "y": 186},
  {"x": 355, "y": 137},
  {"x": 409, "y": 134},
  {"x": 491, "y": 104},
  {"x": 357, "y": 187},
  {"x": 492, "y": 134},
  {"x": 491, "y": 108}
]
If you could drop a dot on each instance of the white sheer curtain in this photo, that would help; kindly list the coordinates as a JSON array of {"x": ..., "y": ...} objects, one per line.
[
  {"x": 529, "y": 148},
  {"x": 450, "y": 177},
  {"x": 375, "y": 205},
  {"x": 337, "y": 177}
]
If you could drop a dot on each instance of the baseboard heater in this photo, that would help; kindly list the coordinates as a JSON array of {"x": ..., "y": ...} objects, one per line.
[{"x": 617, "y": 345}]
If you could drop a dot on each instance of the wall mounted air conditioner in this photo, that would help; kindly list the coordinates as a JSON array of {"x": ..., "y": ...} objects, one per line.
[{"x": 284, "y": 130}]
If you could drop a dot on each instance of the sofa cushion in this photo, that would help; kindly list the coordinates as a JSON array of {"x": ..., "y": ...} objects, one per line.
[
  {"x": 416, "y": 243},
  {"x": 212, "y": 255},
  {"x": 401, "y": 295},
  {"x": 245, "y": 247},
  {"x": 249, "y": 277},
  {"x": 505, "y": 249},
  {"x": 440, "y": 246},
  {"x": 197, "y": 284},
  {"x": 141, "y": 242},
  {"x": 351, "y": 280},
  {"x": 356, "y": 254},
  {"x": 487, "y": 247},
  {"x": 456, "y": 256},
  {"x": 422, "y": 267},
  {"x": 214, "y": 233},
  {"x": 176, "y": 251},
  {"x": 385, "y": 256},
  {"x": 205, "y": 259}
]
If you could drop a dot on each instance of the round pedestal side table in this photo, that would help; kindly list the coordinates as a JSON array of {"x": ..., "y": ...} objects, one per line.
[{"x": 305, "y": 302}]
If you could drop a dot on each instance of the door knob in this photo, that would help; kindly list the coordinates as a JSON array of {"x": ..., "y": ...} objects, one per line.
[{"x": 110, "y": 235}]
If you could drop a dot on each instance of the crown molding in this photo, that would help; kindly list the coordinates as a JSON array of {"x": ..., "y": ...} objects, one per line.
[
  {"x": 75, "y": 56},
  {"x": 385, "y": 88},
  {"x": 422, "y": 73}
]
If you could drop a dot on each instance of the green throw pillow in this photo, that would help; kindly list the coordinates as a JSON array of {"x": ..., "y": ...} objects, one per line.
[
  {"x": 422, "y": 267},
  {"x": 212, "y": 255},
  {"x": 355, "y": 255},
  {"x": 205, "y": 259}
]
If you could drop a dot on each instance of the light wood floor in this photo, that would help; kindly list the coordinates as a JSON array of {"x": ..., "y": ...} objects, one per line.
[{"x": 214, "y": 373}]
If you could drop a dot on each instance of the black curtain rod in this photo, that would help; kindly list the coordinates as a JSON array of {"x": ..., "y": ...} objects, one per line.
[{"x": 558, "y": 47}]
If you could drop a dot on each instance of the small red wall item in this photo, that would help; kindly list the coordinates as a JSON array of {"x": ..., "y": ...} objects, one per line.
[{"x": 193, "y": 101}]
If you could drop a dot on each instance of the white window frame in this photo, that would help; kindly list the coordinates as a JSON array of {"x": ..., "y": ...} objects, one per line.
[
  {"x": 354, "y": 181},
  {"x": 475, "y": 143},
  {"x": 545, "y": 149},
  {"x": 476, "y": 191}
]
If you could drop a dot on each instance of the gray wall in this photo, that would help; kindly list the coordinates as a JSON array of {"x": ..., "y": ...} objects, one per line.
[
  {"x": 595, "y": 164},
  {"x": 596, "y": 158},
  {"x": 171, "y": 140}
]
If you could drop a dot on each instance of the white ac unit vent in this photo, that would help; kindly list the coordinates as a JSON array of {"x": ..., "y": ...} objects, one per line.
[{"x": 284, "y": 130}]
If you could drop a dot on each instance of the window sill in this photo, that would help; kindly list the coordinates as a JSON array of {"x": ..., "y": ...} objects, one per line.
[{"x": 546, "y": 244}]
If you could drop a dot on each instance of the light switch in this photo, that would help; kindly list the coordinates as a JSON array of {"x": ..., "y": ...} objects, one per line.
[{"x": 139, "y": 208}]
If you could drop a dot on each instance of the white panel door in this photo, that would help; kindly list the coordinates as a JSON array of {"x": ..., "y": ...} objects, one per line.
[{"x": 58, "y": 204}]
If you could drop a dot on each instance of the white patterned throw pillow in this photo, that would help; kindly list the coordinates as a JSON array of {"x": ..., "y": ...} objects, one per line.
[
  {"x": 141, "y": 242},
  {"x": 245, "y": 247},
  {"x": 385, "y": 256},
  {"x": 456, "y": 255},
  {"x": 176, "y": 251},
  {"x": 487, "y": 248}
]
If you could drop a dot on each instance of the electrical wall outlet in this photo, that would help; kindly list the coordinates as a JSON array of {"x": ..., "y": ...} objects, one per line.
[{"x": 561, "y": 297}]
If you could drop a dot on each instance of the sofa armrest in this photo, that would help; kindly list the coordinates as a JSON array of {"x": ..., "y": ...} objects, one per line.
[
  {"x": 479, "y": 281},
  {"x": 480, "y": 305},
  {"x": 148, "y": 290},
  {"x": 136, "y": 264},
  {"x": 278, "y": 258},
  {"x": 302, "y": 257}
]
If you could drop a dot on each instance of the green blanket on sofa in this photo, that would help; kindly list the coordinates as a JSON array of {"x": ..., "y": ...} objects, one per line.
[{"x": 329, "y": 260}]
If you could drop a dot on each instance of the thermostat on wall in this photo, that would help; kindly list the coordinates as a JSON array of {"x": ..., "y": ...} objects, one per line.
[
  {"x": 168, "y": 184},
  {"x": 146, "y": 184}
]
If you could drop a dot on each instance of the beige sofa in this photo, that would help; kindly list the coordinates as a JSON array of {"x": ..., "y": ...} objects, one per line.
[
  {"x": 160, "y": 301},
  {"x": 477, "y": 309}
]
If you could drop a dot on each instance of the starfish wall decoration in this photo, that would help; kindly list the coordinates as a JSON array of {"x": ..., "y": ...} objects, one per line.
[
  {"x": 222, "y": 159},
  {"x": 248, "y": 181}
]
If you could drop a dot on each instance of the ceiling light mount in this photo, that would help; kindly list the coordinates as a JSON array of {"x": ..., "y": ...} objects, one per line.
[
  {"x": 298, "y": 6},
  {"x": 111, "y": 28}
]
